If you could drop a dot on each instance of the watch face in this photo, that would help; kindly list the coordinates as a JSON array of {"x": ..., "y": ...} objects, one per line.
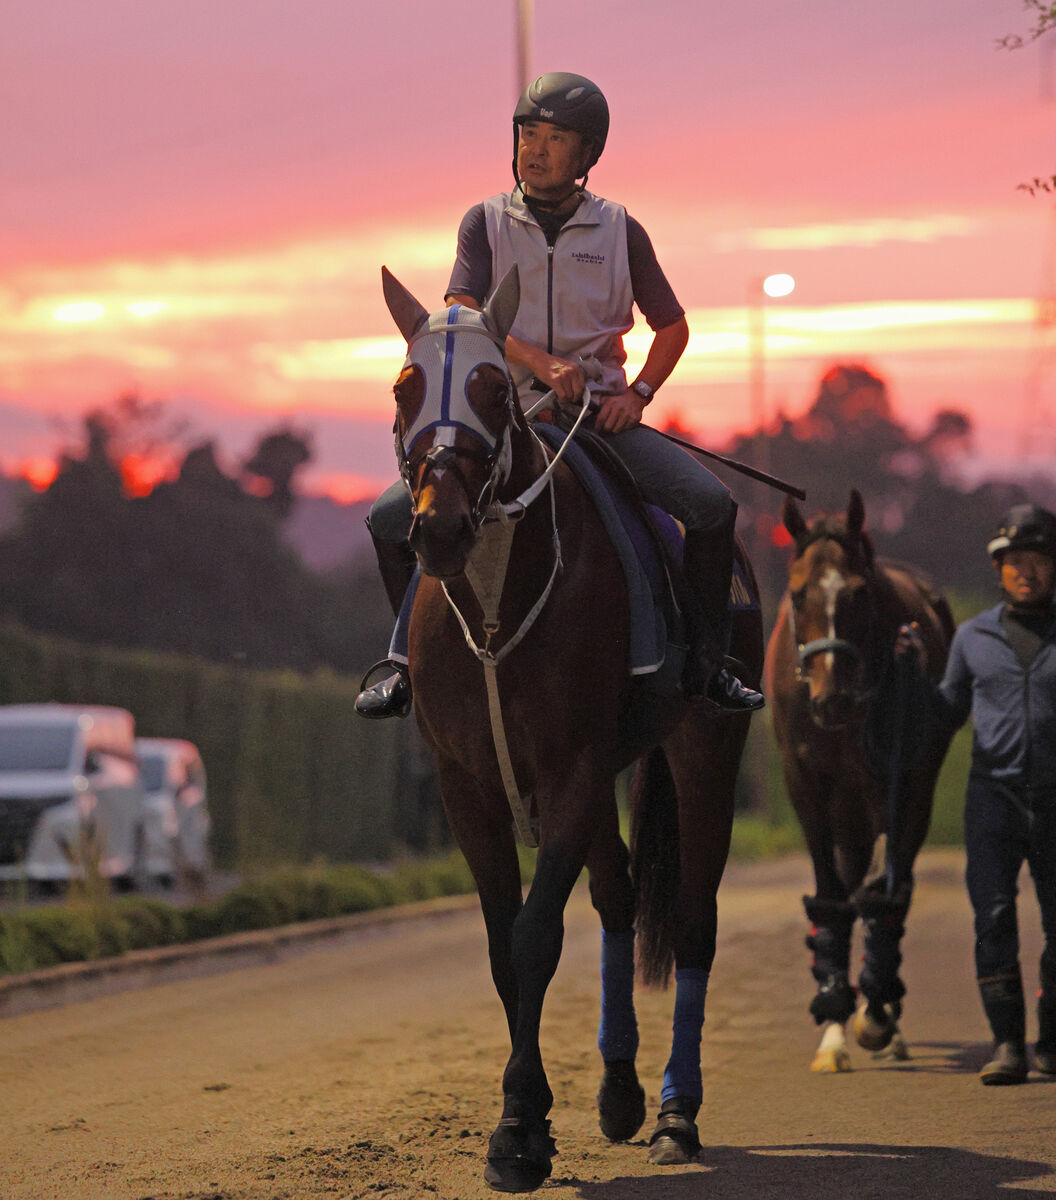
[{"x": 643, "y": 390}]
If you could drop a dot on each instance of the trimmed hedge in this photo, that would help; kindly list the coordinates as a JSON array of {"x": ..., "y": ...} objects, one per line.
[
  {"x": 294, "y": 774},
  {"x": 89, "y": 929}
]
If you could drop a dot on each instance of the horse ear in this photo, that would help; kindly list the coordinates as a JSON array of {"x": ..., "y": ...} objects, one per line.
[
  {"x": 792, "y": 519},
  {"x": 501, "y": 308},
  {"x": 408, "y": 314},
  {"x": 855, "y": 513}
]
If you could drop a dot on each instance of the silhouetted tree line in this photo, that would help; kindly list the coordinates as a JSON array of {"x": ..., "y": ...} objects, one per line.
[
  {"x": 197, "y": 565},
  {"x": 917, "y": 507}
]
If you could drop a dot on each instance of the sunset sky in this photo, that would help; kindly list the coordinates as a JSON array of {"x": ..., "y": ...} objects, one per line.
[{"x": 196, "y": 200}]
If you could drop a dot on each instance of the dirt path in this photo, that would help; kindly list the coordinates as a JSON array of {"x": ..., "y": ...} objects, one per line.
[{"x": 372, "y": 1070}]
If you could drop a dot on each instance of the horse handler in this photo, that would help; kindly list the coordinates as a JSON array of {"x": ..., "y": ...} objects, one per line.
[
  {"x": 1002, "y": 672},
  {"x": 583, "y": 264}
]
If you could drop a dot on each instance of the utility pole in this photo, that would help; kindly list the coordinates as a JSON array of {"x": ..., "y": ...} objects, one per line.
[
  {"x": 1037, "y": 436},
  {"x": 524, "y": 43}
]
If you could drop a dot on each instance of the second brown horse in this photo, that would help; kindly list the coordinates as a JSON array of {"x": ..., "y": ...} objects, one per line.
[{"x": 829, "y": 671}]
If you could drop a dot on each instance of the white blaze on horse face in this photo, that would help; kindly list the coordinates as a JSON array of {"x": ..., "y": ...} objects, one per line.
[{"x": 831, "y": 584}]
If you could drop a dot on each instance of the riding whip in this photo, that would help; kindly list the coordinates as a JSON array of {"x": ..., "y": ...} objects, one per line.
[
  {"x": 592, "y": 368},
  {"x": 744, "y": 469}
]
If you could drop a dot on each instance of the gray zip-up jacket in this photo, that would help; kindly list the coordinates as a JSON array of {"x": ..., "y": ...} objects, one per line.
[{"x": 1013, "y": 708}]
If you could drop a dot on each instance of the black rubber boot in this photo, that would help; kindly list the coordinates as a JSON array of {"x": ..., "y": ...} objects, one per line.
[
  {"x": 830, "y": 941},
  {"x": 1045, "y": 1048},
  {"x": 396, "y": 563},
  {"x": 1002, "y": 997},
  {"x": 392, "y": 696},
  {"x": 708, "y": 569}
]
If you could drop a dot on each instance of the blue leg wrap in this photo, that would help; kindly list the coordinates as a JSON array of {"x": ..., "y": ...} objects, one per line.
[
  {"x": 682, "y": 1073},
  {"x": 618, "y": 1031}
]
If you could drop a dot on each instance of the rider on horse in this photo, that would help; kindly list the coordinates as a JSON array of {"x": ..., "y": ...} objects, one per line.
[{"x": 583, "y": 263}]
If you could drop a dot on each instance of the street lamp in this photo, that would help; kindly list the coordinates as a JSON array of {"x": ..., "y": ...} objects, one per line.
[{"x": 759, "y": 290}]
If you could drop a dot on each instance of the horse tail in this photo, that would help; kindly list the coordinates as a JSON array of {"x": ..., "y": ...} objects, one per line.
[{"x": 654, "y": 865}]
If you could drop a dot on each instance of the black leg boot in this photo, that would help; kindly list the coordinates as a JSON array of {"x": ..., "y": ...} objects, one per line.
[
  {"x": 884, "y": 921},
  {"x": 830, "y": 941},
  {"x": 1045, "y": 1049},
  {"x": 708, "y": 570},
  {"x": 392, "y": 696},
  {"x": 1002, "y": 997}
]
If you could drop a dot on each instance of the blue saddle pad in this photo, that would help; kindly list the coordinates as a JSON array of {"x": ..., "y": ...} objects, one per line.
[{"x": 653, "y": 608}]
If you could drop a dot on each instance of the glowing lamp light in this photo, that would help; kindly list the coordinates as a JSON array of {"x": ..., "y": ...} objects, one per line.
[
  {"x": 78, "y": 311},
  {"x": 776, "y": 286}
]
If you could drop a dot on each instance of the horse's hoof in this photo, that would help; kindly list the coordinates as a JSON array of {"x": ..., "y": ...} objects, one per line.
[
  {"x": 831, "y": 1062},
  {"x": 621, "y": 1102},
  {"x": 872, "y": 1034},
  {"x": 519, "y": 1155},
  {"x": 899, "y": 1049},
  {"x": 674, "y": 1141}
]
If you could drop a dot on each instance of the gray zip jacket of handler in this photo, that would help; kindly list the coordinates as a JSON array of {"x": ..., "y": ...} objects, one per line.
[
  {"x": 576, "y": 296},
  {"x": 1013, "y": 709}
]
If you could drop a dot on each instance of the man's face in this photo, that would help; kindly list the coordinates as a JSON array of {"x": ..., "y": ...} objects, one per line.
[
  {"x": 1027, "y": 576},
  {"x": 549, "y": 159}
]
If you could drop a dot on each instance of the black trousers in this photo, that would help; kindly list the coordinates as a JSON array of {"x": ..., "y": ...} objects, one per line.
[{"x": 1003, "y": 828}]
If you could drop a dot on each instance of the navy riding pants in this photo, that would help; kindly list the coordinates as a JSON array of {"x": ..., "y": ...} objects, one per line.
[{"x": 1003, "y": 827}]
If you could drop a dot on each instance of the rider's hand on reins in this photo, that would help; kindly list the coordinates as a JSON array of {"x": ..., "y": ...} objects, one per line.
[{"x": 566, "y": 379}]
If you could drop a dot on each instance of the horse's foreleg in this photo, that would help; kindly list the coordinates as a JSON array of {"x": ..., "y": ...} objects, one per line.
[
  {"x": 884, "y": 920},
  {"x": 520, "y": 1149},
  {"x": 832, "y": 923},
  {"x": 490, "y": 850},
  {"x": 621, "y": 1098}
]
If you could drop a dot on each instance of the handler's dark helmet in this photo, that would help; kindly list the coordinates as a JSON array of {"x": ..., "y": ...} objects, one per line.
[
  {"x": 1025, "y": 527},
  {"x": 570, "y": 101}
]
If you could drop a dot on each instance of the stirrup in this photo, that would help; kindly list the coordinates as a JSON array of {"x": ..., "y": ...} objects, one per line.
[{"x": 390, "y": 697}]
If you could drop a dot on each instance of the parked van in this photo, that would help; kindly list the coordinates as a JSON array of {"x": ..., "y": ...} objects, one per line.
[
  {"x": 70, "y": 792},
  {"x": 175, "y": 811}
]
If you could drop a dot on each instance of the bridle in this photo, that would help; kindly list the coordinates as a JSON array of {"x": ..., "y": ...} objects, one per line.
[{"x": 806, "y": 652}]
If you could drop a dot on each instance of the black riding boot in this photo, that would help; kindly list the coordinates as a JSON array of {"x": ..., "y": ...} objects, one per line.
[
  {"x": 392, "y": 696},
  {"x": 1002, "y": 997},
  {"x": 708, "y": 570},
  {"x": 884, "y": 919},
  {"x": 1045, "y": 1048},
  {"x": 830, "y": 941}
]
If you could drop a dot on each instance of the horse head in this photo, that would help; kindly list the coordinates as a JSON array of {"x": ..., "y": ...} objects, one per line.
[
  {"x": 832, "y": 609},
  {"x": 456, "y": 414}
]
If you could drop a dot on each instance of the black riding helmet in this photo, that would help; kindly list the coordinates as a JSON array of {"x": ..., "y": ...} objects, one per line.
[
  {"x": 1025, "y": 527},
  {"x": 571, "y": 101}
]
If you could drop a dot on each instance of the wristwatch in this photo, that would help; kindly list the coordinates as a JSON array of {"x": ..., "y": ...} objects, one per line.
[{"x": 641, "y": 388}]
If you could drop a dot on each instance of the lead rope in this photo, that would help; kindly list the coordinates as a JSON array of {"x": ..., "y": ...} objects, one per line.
[{"x": 486, "y": 573}]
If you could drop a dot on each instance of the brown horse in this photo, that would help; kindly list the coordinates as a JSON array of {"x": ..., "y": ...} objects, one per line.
[
  {"x": 518, "y": 661},
  {"x": 859, "y": 757}
]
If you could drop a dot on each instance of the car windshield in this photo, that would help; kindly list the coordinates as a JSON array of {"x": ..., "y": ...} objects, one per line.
[
  {"x": 35, "y": 747},
  {"x": 152, "y": 768}
]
